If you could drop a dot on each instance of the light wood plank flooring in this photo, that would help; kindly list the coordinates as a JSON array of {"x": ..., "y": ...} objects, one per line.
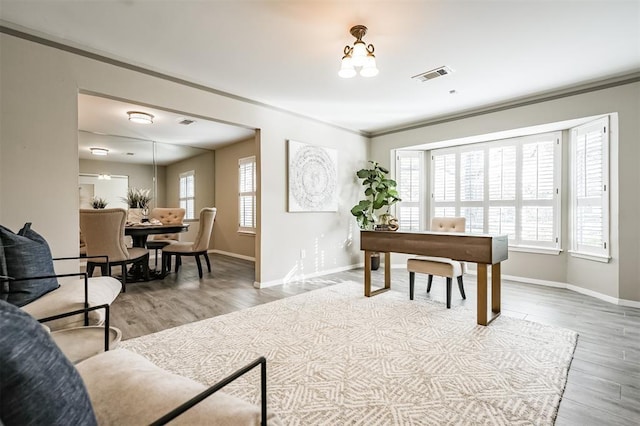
[{"x": 603, "y": 387}]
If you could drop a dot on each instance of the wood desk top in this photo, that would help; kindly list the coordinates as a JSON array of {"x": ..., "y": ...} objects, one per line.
[{"x": 477, "y": 248}]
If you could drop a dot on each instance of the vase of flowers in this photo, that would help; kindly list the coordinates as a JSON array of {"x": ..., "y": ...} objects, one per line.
[{"x": 138, "y": 201}]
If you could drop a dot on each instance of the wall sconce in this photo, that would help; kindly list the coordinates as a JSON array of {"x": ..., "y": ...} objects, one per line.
[
  {"x": 99, "y": 151},
  {"x": 140, "y": 117},
  {"x": 359, "y": 56}
]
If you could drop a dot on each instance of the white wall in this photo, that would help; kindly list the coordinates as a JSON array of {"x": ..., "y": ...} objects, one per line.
[
  {"x": 619, "y": 278},
  {"x": 39, "y": 164}
]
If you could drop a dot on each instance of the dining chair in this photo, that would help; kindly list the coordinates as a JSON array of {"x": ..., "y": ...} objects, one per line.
[
  {"x": 197, "y": 248},
  {"x": 439, "y": 266},
  {"x": 166, "y": 216},
  {"x": 103, "y": 232}
]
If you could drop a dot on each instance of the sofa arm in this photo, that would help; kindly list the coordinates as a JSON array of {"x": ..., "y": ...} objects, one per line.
[
  {"x": 261, "y": 361},
  {"x": 75, "y": 274},
  {"x": 86, "y": 312}
]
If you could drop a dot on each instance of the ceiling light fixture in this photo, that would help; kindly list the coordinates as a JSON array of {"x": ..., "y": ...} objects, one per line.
[
  {"x": 99, "y": 151},
  {"x": 359, "y": 56},
  {"x": 140, "y": 117}
]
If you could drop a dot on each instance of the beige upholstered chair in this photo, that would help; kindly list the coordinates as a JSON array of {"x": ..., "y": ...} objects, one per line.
[
  {"x": 197, "y": 248},
  {"x": 166, "y": 216},
  {"x": 440, "y": 266},
  {"x": 103, "y": 232}
]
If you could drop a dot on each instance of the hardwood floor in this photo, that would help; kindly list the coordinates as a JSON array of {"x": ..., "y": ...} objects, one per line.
[{"x": 603, "y": 387}]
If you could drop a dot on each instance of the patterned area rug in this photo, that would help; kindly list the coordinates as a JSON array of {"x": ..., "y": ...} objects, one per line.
[{"x": 336, "y": 357}]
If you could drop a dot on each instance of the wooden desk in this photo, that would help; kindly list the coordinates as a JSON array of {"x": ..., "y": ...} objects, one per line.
[{"x": 481, "y": 249}]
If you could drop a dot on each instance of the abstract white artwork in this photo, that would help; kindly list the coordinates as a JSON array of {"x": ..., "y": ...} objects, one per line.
[{"x": 313, "y": 178}]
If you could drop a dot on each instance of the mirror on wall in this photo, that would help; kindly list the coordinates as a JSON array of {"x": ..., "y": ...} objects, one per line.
[
  {"x": 155, "y": 155},
  {"x": 122, "y": 163}
]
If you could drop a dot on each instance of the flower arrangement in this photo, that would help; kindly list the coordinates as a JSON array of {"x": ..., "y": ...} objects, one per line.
[
  {"x": 138, "y": 198},
  {"x": 98, "y": 203}
]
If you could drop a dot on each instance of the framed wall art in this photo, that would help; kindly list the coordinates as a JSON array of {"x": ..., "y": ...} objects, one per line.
[{"x": 313, "y": 178}]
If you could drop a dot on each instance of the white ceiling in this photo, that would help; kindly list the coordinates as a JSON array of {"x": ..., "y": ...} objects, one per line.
[
  {"x": 287, "y": 53},
  {"x": 104, "y": 123}
]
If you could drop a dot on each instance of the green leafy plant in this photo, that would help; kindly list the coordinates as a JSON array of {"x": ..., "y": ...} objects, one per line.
[
  {"x": 98, "y": 203},
  {"x": 138, "y": 198},
  {"x": 380, "y": 193}
]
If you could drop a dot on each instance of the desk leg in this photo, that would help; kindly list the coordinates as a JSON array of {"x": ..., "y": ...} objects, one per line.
[
  {"x": 482, "y": 294},
  {"x": 495, "y": 289},
  {"x": 483, "y": 318},
  {"x": 387, "y": 270},
  {"x": 367, "y": 274}
]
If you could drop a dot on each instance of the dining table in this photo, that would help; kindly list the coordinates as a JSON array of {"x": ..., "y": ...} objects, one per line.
[{"x": 139, "y": 232}]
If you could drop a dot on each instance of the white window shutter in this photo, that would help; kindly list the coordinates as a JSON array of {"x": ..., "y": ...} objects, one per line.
[{"x": 589, "y": 189}]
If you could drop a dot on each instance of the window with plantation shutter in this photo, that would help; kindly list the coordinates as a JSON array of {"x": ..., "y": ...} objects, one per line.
[
  {"x": 409, "y": 172},
  {"x": 590, "y": 190},
  {"x": 187, "y": 194},
  {"x": 509, "y": 186},
  {"x": 247, "y": 194}
]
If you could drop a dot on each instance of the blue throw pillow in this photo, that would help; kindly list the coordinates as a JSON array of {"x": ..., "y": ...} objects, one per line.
[
  {"x": 26, "y": 254},
  {"x": 38, "y": 384}
]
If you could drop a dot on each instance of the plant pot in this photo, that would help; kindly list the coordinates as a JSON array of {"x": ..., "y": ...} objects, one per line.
[
  {"x": 375, "y": 261},
  {"x": 134, "y": 215}
]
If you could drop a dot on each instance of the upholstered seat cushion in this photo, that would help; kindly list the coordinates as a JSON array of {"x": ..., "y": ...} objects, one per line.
[
  {"x": 440, "y": 266},
  {"x": 126, "y": 388},
  {"x": 179, "y": 247},
  {"x": 137, "y": 252},
  {"x": 70, "y": 296}
]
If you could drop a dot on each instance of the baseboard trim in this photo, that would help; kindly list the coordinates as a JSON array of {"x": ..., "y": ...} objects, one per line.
[
  {"x": 236, "y": 255},
  {"x": 572, "y": 287}
]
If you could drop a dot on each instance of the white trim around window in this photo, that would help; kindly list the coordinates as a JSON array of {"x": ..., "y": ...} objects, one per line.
[{"x": 247, "y": 195}]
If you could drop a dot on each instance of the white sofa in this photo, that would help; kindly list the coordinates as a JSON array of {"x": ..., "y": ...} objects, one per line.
[{"x": 70, "y": 297}]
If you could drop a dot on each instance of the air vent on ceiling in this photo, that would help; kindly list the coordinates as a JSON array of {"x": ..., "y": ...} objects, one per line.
[
  {"x": 186, "y": 121},
  {"x": 435, "y": 73}
]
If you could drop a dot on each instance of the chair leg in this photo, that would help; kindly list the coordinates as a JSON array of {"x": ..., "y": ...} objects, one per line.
[
  {"x": 165, "y": 260},
  {"x": 145, "y": 267},
  {"x": 178, "y": 262},
  {"x": 199, "y": 263},
  {"x": 412, "y": 280},
  {"x": 429, "y": 281},
  {"x": 155, "y": 260},
  {"x": 90, "y": 267},
  {"x": 461, "y": 287},
  {"x": 123, "y": 265},
  {"x": 449, "y": 292},
  {"x": 206, "y": 257}
]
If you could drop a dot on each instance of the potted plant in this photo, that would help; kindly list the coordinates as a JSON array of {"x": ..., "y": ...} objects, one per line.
[
  {"x": 98, "y": 203},
  {"x": 380, "y": 194},
  {"x": 138, "y": 201}
]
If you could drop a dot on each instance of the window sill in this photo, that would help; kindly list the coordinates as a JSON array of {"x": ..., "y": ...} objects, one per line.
[
  {"x": 593, "y": 257},
  {"x": 247, "y": 233},
  {"x": 537, "y": 250}
]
